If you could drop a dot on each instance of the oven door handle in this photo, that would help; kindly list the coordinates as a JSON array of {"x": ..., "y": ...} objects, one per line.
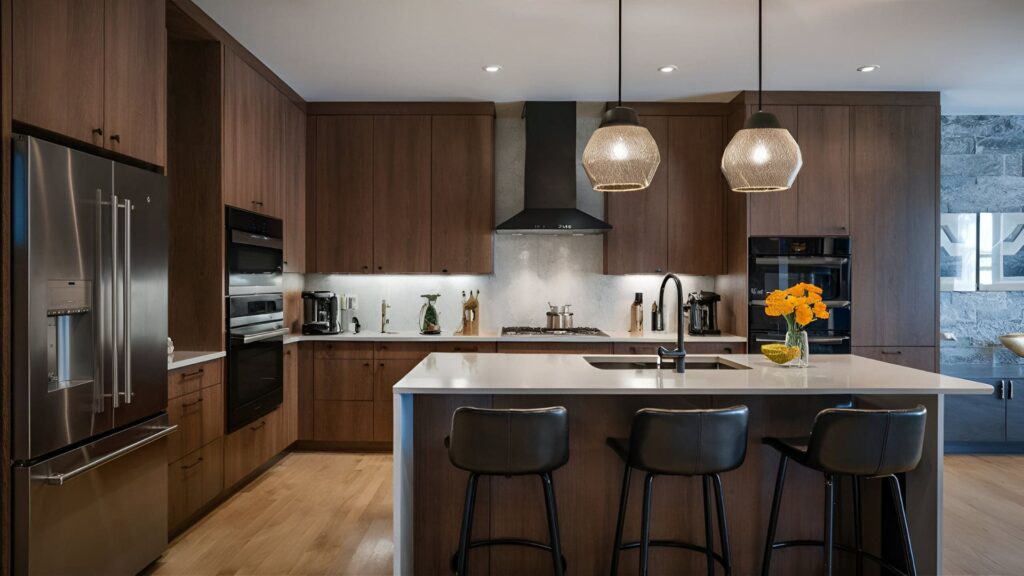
[
  {"x": 260, "y": 241},
  {"x": 250, "y": 338},
  {"x": 811, "y": 340},
  {"x": 829, "y": 303}
]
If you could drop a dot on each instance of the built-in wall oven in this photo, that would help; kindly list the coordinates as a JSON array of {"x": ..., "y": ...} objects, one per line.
[
  {"x": 255, "y": 317},
  {"x": 778, "y": 263}
]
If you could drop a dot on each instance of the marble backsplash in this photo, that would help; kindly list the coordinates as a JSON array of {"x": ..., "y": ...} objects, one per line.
[{"x": 981, "y": 171}]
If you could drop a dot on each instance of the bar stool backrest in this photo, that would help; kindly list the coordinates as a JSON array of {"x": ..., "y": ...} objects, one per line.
[
  {"x": 688, "y": 442},
  {"x": 867, "y": 442},
  {"x": 509, "y": 442}
]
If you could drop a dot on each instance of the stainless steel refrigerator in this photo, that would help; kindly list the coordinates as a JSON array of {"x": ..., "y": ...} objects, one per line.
[{"x": 89, "y": 380}]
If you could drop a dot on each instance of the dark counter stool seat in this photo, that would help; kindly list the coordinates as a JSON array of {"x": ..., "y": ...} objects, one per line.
[
  {"x": 681, "y": 443},
  {"x": 861, "y": 444},
  {"x": 487, "y": 442}
]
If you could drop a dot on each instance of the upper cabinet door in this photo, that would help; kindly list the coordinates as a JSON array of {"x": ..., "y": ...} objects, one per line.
[
  {"x": 462, "y": 195},
  {"x": 825, "y": 178},
  {"x": 343, "y": 180},
  {"x": 401, "y": 194},
  {"x": 58, "y": 66},
  {"x": 136, "y": 79},
  {"x": 243, "y": 134},
  {"x": 776, "y": 213},
  {"x": 272, "y": 153},
  {"x": 638, "y": 240},
  {"x": 696, "y": 195},
  {"x": 894, "y": 223},
  {"x": 294, "y": 169}
]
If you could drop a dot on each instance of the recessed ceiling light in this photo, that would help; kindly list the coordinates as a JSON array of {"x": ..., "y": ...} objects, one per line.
[
  {"x": 492, "y": 68},
  {"x": 667, "y": 69},
  {"x": 868, "y": 68}
]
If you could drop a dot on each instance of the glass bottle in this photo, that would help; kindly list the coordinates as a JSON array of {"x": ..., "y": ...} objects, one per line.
[{"x": 430, "y": 319}]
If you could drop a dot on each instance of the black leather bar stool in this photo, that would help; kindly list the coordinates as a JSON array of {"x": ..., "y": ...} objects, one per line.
[
  {"x": 681, "y": 443},
  {"x": 860, "y": 444},
  {"x": 507, "y": 443}
]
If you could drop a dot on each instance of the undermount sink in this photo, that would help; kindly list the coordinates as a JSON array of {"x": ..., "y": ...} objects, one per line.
[{"x": 651, "y": 363}]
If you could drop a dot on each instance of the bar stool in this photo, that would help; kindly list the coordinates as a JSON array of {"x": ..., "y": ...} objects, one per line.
[
  {"x": 487, "y": 442},
  {"x": 861, "y": 444},
  {"x": 681, "y": 443}
]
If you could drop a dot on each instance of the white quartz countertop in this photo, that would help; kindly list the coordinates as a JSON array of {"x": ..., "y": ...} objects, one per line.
[
  {"x": 465, "y": 373},
  {"x": 613, "y": 336},
  {"x": 183, "y": 358}
]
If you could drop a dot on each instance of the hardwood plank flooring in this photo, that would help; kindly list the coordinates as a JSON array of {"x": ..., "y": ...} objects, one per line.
[
  {"x": 312, "y": 513},
  {"x": 984, "y": 515},
  {"x": 330, "y": 513}
]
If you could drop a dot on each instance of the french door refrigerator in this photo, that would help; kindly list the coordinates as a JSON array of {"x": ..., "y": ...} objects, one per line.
[{"x": 89, "y": 363}]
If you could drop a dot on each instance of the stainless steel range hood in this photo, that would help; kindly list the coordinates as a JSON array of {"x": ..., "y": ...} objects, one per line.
[{"x": 550, "y": 180}]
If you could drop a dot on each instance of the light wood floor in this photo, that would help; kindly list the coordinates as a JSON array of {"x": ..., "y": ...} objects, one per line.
[{"x": 322, "y": 513}]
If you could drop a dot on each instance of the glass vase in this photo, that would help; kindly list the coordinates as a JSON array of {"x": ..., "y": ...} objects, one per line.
[
  {"x": 798, "y": 339},
  {"x": 430, "y": 321}
]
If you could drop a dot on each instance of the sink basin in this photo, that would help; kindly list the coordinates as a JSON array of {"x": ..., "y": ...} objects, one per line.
[{"x": 651, "y": 363}]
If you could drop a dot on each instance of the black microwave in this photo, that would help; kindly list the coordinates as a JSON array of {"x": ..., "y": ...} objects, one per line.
[{"x": 254, "y": 252}]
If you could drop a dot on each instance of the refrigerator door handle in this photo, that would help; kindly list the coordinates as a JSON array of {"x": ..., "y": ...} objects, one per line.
[
  {"x": 126, "y": 306},
  {"x": 113, "y": 300},
  {"x": 62, "y": 478},
  {"x": 101, "y": 329}
]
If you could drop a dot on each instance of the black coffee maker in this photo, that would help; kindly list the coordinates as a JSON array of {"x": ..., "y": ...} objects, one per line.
[
  {"x": 703, "y": 313},
  {"x": 320, "y": 313}
]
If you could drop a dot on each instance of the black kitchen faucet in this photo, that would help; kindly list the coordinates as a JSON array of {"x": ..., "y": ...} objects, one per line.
[{"x": 679, "y": 354}]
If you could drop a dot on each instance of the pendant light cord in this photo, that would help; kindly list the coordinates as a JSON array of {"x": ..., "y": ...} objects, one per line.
[
  {"x": 760, "y": 47},
  {"x": 620, "y": 53}
]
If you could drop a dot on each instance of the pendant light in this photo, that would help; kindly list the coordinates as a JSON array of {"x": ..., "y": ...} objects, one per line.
[
  {"x": 621, "y": 155},
  {"x": 763, "y": 156}
]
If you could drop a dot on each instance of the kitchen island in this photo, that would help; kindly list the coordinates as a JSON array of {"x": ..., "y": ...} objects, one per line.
[{"x": 429, "y": 491}]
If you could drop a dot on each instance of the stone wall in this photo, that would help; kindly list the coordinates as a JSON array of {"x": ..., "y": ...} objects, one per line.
[{"x": 981, "y": 171}]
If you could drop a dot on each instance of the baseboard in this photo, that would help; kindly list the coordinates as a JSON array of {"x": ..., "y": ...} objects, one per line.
[
  {"x": 325, "y": 446},
  {"x": 984, "y": 447}
]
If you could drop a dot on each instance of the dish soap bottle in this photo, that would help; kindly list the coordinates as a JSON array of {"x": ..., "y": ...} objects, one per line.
[
  {"x": 430, "y": 322},
  {"x": 636, "y": 315}
]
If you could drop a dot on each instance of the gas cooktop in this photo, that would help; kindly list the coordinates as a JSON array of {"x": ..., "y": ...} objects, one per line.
[{"x": 531, "y": 331}]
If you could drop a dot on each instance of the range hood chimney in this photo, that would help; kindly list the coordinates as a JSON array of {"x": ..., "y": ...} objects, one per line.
[{"x": 550, "y": 180}]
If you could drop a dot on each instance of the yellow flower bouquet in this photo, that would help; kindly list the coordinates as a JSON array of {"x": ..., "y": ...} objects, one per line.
[{"x": 799, "y": 305}]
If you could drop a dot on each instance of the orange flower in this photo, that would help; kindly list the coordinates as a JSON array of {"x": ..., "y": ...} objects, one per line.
[
  {"x": 800, "y": 304},
  {"x": 804, "y": 316}
]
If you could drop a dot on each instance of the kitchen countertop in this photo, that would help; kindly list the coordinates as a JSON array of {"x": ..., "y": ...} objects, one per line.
[
  {"x": 183, "y": 358},
  {"x": 613, "y": 336},
  {"x": 464, "y": 373}
]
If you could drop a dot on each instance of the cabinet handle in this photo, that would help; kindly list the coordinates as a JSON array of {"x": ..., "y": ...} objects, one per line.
[
  {"x": 366, "y": 364},
  {"x": 728, "y": 350},
  {"x": 381, "y": 364},
  {"x": 194, "y": 464},
  {"x": 287, "y": 352},
  {"x": 1001, "y": 389},
  {"x": 444, "y": 270},
  {"x": 97, "y": 131},
  {"x": 115, "y": 138},
  {"x": 380, "y": 267},
  {"x": 658, "y": 270},
  {"x": 258, "y": 426},
  {"x": 892, "y": 352},
  {"x": 1010, "y": 393},
  {"x": 191, "y": 374},
  {"x": 191, "y": 403},
  {"x": 366, "y": 267}
]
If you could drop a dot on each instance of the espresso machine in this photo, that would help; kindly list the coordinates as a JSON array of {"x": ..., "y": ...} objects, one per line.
[
  {"x": 320, "y": 313},
  {"x": 703, "y": 313}
]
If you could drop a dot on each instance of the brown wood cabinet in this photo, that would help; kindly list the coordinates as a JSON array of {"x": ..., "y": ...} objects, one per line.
[
  {"x": 462, "y": 195},
  {"x": 344, "y": 194},
  {"x": 554, "y": 348},
  {"x": 251, "y": 446},
  {"x": 691, "y": 348},
  {"x": 401, "y": 194},
  {"x": 920, "y": 357},
  {"x": 678, "y": 224},
  {"x": 343, "y": 379},
  {"x": 894, "y": 221},
  {"x": 194, "y": 481},
  {"x": 200, "y": 420},
  {"x": 776, "y": 213},
  {"x": 387, "y": 374},
  {"x": 638, "y": 240},
  {"x": 290, "y": 405},
  {"x": 293, "y": 174},
  {"x": 95, "y": 71}
]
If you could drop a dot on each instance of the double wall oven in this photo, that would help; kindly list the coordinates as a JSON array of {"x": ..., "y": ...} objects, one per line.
[
  {"x": 778, "y": 263},
  {"x": 255, "y": 317}
]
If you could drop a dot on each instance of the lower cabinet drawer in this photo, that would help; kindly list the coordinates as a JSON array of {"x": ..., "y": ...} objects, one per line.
[
  {"x": 691, "y": 348},
  {"x": 920, "y": 357},
  {"x": 200, "y": 418},
  {"x": 343, "y": 421},
  {"x": 191, "y": 378},
  {"x": 343, "y": 379},
  {"x": 466, "y": 347},
  {"x": 247, "y": 448},
  {"x": 554, "y": 348},
  {"x": 193, "y": 481}
]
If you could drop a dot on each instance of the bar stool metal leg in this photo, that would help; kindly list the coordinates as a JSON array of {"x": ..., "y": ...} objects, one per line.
[
  {"x": 773, "y": 520},
  {"x": 858, "y": 530},
  {"x": 623, "y": 500},
  {"x": 462, "y": 565},
  {"x": 830, "y": 504},
  {"x": 709, "y": 534},
  {"x": 723, "y": 526},
  {"x": 645, "y": 524},
  {"x": 552, "y": 510},
  {"x": 901, "y": 512}
]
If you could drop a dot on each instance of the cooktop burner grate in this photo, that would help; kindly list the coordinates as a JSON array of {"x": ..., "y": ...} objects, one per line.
[{"x": 533, "y": 331}]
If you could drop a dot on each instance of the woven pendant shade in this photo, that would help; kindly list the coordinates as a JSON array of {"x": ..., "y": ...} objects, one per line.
[
  {"x": 621, "y": 155},
  {"x": 762, "y": 157}
]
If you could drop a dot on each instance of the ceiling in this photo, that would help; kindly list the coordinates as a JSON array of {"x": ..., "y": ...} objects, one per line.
[{"x": 972, "y": 51}]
